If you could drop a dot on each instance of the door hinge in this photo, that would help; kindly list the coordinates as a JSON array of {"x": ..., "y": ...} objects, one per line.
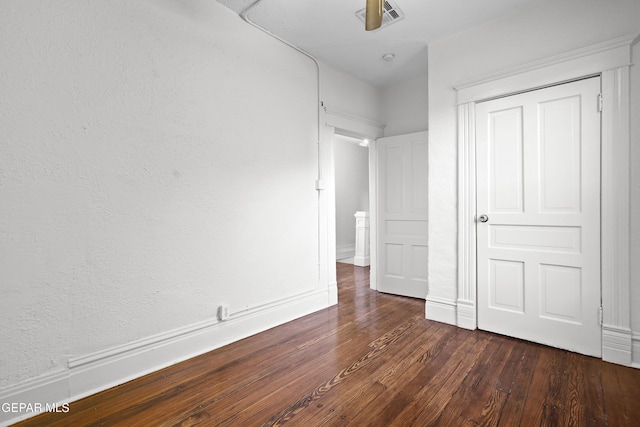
[
  {"x": 601, "y": 315},
  {"x": 600, "y": 102}
]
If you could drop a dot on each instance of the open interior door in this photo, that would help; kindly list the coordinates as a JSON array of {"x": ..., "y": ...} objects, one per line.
[{"x": 402, "y": 214}]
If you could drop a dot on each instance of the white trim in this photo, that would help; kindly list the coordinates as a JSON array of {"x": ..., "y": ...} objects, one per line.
[
  {"x": 441, "y": 310},
  {"x": 326, "y": 207},
  {"x": 635, "y": 343},
  {"x": 611, "y": 61},
  {"x": 373, "y": 215},
  {"x": 466, "y": 222},
  {"x": 333, "y": 293},
  {"x": 363, "y": 246},
  {"x": 352, "y": 125},
  {"x": 578, "y": 63},
  {"x": 616, "y": 345},
  {"x": 48, "y": 388},
  {"x": 95, "y": 372},
  {"x": 466, "y": 316},
  {"x": 616, "y": 294},
  {"x": 358, "y": 127}
]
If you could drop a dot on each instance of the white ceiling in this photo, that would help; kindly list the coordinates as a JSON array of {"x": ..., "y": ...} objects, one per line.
[{"x": 330, "y": 31}]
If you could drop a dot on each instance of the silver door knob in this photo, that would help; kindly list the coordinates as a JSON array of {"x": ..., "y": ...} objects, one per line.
[{"x": 483, "y": 218}]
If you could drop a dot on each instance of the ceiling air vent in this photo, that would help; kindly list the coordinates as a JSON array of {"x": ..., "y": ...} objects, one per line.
[{"x": 390, "y": 15}]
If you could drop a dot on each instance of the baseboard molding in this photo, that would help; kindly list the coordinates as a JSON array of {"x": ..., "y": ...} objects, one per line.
[
  {"x": 345, "y": 252},
  {"x": 46, "y": 389},
  {"x": 635, "y": 348},
  {"x": 441, "y": 310},
  {"x": 362, "y": 261},
  {"x": 104, "y": 369},
  {"x": 616, "y": 345},
  {"x": 333, "y": 293},
  {"x": 466, "y": 314}
]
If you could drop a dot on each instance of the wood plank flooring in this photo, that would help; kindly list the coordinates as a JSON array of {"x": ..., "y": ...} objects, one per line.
[{"x": 373, "y": 360}]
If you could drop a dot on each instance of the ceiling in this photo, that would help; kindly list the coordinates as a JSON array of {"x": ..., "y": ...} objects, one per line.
[{"x": 331, "y": 31}]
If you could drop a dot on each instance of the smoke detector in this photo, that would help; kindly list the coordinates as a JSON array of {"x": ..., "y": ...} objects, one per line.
[{"x": 390, "y": 15}]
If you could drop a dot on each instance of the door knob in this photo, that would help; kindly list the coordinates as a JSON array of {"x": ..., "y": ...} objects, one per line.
[{"x": 483, "y": 218}]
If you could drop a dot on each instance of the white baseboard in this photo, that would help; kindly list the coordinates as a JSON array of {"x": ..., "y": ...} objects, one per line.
[
  {"x": 46, "y": 389},
  {"x": 361, "y": 261},
  {"x": 466, "y": 314},
  {"x": 441, "y": 310},
  {"x": 104, "y": 369},
  {"x": 616, "y": 345},
  {"x": 635, "y": 348},
  {"x": 343, "y": 252},
  {"x": 333, "y": 293}
]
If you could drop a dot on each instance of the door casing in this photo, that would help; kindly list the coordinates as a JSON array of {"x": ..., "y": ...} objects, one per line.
[
  {"x": 610, "y": 61},
  {"x": 349, "y": 125}
]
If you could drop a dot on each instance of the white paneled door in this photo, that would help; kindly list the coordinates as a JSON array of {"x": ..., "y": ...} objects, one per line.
[
  {"x": 402, "y": 214},
  {"x": 538, "y": 216}
]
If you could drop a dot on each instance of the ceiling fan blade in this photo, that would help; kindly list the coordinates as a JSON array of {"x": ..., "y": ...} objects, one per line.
[{"x": 373, "y": 14}]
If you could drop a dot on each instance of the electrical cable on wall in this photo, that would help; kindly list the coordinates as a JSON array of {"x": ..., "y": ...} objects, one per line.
[
  {"x": 245, "y": 16},
  {"x": 319, "y": 182}
]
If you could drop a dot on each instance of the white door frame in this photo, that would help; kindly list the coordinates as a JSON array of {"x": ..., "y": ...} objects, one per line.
[
  {"x": 358, "y": 127},
  {"x": 610, "y": 61}
]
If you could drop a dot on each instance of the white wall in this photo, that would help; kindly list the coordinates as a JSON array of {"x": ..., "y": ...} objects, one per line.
[
  {"x": 157, "y": 159},
  {"x": 405, "y": 106},
  {"x": 348, "y": 95},
  {"x": 352, "y": 189},
  {"x": 537, "y": 32}
]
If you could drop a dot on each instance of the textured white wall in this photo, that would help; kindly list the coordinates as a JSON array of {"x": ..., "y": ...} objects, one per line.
[
  {"x": 157, "y": 159},
  {"x": 537, "y": 32},
  {"x": 405, "y": 106},
  {"x": 347, "y": 94},
  {"x": 352, "y": 187}
]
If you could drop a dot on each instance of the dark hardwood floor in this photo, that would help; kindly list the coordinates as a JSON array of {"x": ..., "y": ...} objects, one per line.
[{"x": 373, "y": 360}]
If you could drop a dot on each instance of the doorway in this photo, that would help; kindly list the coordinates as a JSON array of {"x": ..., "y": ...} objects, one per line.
[
  {"x": 351, "y": 168},
  {"x": 610, "y": 60}
]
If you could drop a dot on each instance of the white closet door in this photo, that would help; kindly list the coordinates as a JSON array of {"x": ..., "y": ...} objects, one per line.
[{"x": 538, "y": 189}]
